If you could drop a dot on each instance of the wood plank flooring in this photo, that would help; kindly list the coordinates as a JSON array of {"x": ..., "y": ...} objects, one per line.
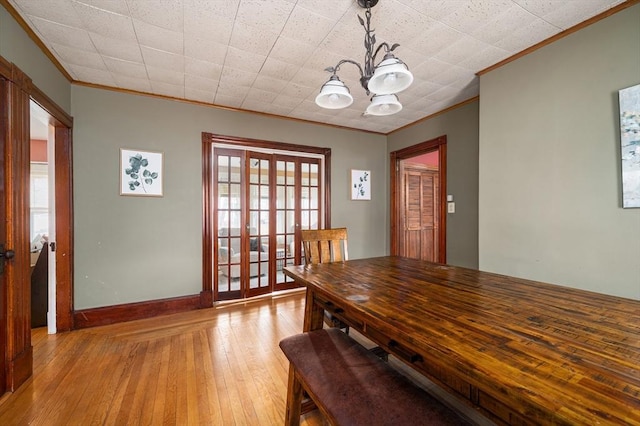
[{"x": 217, "y": 366}]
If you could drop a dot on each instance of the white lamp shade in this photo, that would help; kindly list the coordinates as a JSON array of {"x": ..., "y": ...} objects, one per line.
[
  {"x": 334, "y": 94},
  {"x": 384, "y": 105},
  {"x": 390, "y": 76}
]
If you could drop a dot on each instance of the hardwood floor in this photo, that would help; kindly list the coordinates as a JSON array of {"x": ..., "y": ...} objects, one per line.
[{"x": 217, "y": 366}]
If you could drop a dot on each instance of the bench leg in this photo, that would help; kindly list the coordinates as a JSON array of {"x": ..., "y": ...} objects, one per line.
[{"x": 294, "y": 399}]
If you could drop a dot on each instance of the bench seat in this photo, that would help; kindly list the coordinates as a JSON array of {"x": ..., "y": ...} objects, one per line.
[{"x": 352, "y": 386}]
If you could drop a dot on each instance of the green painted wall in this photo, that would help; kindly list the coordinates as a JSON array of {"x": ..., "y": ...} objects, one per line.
[{"x": 550, "y": 174}]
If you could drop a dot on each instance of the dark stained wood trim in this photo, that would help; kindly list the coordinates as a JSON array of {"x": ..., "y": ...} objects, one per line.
[
  {"x": 561, "y": 35},
  {"x": 64, "y": 228},
  {"x": 206, "y": 296},
  {"x": 94, "y": 317},
  {"x": 5, "y": 68},
  {"x": 439, "y": 143},
  {"x": 35, "y": 38}
]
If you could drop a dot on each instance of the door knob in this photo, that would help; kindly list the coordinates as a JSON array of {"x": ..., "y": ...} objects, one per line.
[{"x": 5, "y": 254}]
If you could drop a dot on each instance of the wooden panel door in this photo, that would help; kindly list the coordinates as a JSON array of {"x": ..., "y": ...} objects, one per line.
[
  {"x": 420, "y": 213},
  {"x": 15, "y": 283}
]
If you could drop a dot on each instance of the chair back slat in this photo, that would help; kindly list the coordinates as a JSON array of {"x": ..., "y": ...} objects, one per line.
[{"x": 325, "y": 245}]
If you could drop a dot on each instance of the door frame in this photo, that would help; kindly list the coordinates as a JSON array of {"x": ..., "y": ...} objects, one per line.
[
  {"x": 438, "y": 144},
  {"x": 208, "y": 141},
  {"x": 16, "y": 295}
]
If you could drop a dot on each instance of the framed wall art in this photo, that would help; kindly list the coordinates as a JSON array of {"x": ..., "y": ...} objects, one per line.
[
  {"x": 360, "y": 185},
  {"x": 630, "y": 145},
  {"x": 141, "y": 173}
]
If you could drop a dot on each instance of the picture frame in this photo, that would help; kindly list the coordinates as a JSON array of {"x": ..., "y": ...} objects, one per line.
[
  {"x": 629, "y": 100},
  {"x": 361, "y": 185},
  {"x": 141, "y": 173}
]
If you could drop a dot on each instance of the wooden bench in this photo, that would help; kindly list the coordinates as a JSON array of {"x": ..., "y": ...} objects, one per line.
[{"x": 352, "y": 386}]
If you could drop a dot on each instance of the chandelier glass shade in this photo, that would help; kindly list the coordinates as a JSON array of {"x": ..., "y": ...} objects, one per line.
[{"x": 384, "y": 81}]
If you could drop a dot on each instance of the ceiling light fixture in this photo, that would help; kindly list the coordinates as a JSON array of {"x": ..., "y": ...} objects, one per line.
[{"x": 384, "y": 80}]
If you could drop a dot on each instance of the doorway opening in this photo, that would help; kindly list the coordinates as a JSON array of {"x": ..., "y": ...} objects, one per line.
[{"x": 418, "y": 206}]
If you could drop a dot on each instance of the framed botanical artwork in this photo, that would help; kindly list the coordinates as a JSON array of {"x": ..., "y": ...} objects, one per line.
[
  {"x": 629, "y": 99},
  {"x": 360, "y": 185},
  {"x": 141, "y": 173}
]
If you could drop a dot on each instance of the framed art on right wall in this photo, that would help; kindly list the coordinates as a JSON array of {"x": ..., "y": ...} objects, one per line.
[{"x": 630, "y": 145}]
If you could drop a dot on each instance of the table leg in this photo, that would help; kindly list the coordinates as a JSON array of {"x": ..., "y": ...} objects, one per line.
[{"x": 313, "y": 313}]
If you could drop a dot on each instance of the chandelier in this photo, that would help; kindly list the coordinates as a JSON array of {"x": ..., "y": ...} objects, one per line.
[{"x": 383, "y": 81}]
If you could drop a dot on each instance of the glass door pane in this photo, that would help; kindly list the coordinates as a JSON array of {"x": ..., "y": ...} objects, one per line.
[
  {"x": 258, "y": 200},
  {"x": 285, "y": 217},
  {"x": 228, "y": 224}
]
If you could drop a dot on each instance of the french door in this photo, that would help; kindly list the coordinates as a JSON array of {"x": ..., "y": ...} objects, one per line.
[{"x": 260, "y": 202}]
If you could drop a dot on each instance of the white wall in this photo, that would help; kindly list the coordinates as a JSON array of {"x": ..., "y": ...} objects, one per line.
[{"x": 550, "y": 177}]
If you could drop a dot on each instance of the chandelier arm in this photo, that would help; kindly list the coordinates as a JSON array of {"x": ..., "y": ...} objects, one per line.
[
  {"x": 386, "y": 50},
  {"x": 346, "y": 61}
]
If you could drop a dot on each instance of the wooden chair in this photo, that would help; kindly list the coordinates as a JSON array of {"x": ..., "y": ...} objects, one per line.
[{"x": 326, "y": 246}]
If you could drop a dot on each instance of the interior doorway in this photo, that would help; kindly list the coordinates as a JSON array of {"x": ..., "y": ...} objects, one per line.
[
  {"x": 418, "y": 201},
  {"x": 42, "y": 218}
]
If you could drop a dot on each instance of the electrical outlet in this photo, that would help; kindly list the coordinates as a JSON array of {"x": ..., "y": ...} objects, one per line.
[{"x": 451, "y": 207}]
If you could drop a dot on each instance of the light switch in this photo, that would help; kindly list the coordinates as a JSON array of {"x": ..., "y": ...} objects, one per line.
[
  {"x": 451, "y": 207},
  {"x": 449, "y": 197}
]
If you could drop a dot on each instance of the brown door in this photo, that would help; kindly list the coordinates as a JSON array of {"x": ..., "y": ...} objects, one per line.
[
  {"x": 15, "y": 285},
  {"x": 420, "y": 213}
]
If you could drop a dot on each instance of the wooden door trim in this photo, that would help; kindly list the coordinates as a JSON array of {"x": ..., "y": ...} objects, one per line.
[
  {"x": 63, "y": 124},
  {"x": 440, "y": 144}
]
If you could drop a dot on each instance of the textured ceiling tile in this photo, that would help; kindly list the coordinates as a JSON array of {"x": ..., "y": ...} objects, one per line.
[
  {"x": 159, "y": 38},
  {"x": 286, "y": 101},
  {"x": 278, "y": 69},
  {"x": 62, "y": 34},
  {"x": 212, "y": 20},
  {"x": 231, "y": 76},
  {"x": 291, "y": 51},
  {"x": 79, "y": 57},
  {"x": 270, "y": 84},
  {"x": 132, "y": 83},
  {"x": 165, "y": 89},
  {"x": 108, "y": 24},
  {"x": 204, "y": 49},
  {"x": 164, "y": 75},
  {"x": 429, "y": 69},
  {"x": 115, "y": 6},
  {"x": 457, "y": 52},
  {"x": 260, "y": 95},
  {"x": 246, "y": 37},
  {"x": 272, "y": 14},
  {"x": 244, "y": 60},
  {"x": 469, "y": 16},
  {"x": 484, "y": 58},
  {"x": 125, "y": 68},
  {"x": 443, "y": 93},
  {"x": 503, "y": 24},
  {"x": 199, "y": 95},
  {"x": 307, "y": 27},
  {"x": 125, "y": 50},
  {"x": 299, "y": 91},
  {"x": 227, "y": 101},
  {"x": 92, "y": 75},
  {"x": 167, "y": 14},
  {"x": 333, "y": 10},
  {"x": 396, "y": 22},
  {"x": 435, "y": 38},
  {"x": 161, "y": 59},
  {"x": 204, "y": 69},
  {"x": 200, "y": 83},
  {"x": 529, "y": 35},
  {"x": 60, "y": 11},
  {"x": 436, "y": 9},
  {"x": 239, "y": 92}
]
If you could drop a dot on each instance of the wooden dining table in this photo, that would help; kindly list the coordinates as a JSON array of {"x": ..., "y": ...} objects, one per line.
[{"x": 521, "y": 352}]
